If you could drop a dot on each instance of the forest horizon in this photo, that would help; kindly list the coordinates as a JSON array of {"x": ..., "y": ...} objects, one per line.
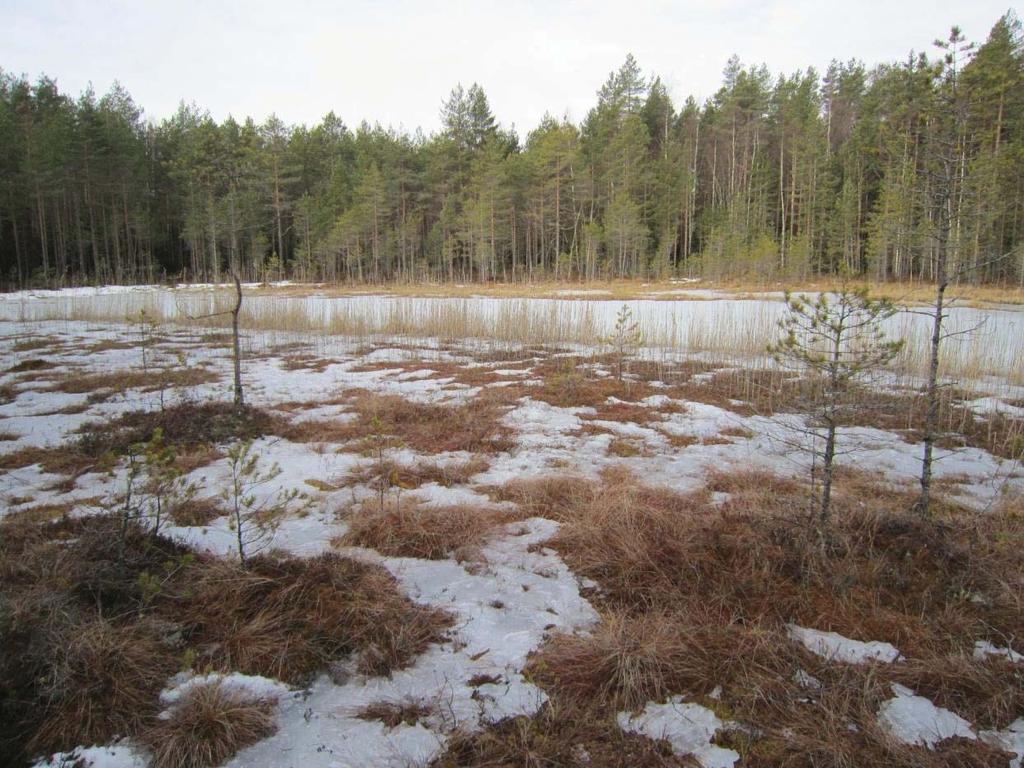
[{"x": 862, "y": 170}]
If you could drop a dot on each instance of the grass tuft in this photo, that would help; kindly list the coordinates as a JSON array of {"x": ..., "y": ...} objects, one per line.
[
  {"x": 208, "y": 727},
  {"x": 410, "y": 529}
]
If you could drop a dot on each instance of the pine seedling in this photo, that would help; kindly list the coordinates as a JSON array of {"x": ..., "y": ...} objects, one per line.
[
  {"x": 625, "y": 338},
  {"x": 253, "y": 519},
  {"x": 836, "y": 341}
]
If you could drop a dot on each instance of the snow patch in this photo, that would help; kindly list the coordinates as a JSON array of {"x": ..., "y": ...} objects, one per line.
[
  {"x": 250, "y": 686},
  {"x": 983, "y": 649},
  {"x": 1010, "y": 739},
  {"x": 835, "y": 647},
  {"x": 917, "y": 721},
  {"x": 688, "y": 727},
  {"x": 115, "y": 756},
  {"x": 503, "y": 611}
]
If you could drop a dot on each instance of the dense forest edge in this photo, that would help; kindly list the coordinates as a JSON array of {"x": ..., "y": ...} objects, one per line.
[{"x": 865, "y": 171}]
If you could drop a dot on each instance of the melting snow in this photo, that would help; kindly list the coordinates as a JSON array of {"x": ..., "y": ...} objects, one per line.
[
  {"x": 1010, "y": 739},
  {"x": 250, "y": 686},
  {"x": 503, "y": 613},
  {"x": 916, "y": 720},
  {"x": 833, "y": 646},
  {"x": 115, "y": 756},
  {"x": 688, "y": 727},
  {"x": 983, "y": 649}
]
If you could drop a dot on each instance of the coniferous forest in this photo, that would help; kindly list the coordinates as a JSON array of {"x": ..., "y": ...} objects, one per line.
[{"x": 865, "y": 169}]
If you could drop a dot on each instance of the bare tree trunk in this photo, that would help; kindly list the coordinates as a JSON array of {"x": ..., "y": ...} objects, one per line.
[
  {"x": 239, "y": 398},
  {"x": 931, "y": 427}
]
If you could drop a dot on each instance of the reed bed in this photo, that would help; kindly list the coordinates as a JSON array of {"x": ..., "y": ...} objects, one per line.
[{"x": 983, "y": 343}]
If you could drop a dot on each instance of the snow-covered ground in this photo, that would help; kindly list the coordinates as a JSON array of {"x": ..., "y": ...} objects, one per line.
[{"x": 523, "y": 590}]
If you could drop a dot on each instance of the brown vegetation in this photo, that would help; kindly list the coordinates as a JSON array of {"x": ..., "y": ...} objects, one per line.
[
  {"x": 191, "y": 429},
  {"x": 307, "y": 362},
  {"x": 194, "y": 512},
  {"x": 396, "y": 713},
  {"x": 393, "y": 474},
  {"x": 411, "y": 529},
  {"x": 209, "y": 726},
  {"x": 473, "y": 426},
  {"x": 107, "y": 384},
  {"x": 32, "y": 364},
  {"x": 696, "y": 596},
  {"x": 90, "y": 637},
  {"x": 567, "y": 386},
  {"x": 559, "y": 735},
  {"x": 64, "y": 459},
  {"x": 33, "y": 343}
]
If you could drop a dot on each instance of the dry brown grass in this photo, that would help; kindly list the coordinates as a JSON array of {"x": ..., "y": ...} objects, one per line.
[
  {"x": 209, "y": 726},
  {"x": 637, "y": 413},
  {"x": 195, "y": 512},
  {"x": 103, "y": 681},
  {"x": 78, "y": 665},
  {"x": 697, "y": 596},
  {"x": 394, "y": 474},
  {"x": 33, "y": 364},
  {"x": 396, "y": 713},
  {"x": 474, "y": 426},
  {"x": 90, "y": 638},
  {"x": 102, "y": 384},
  {"x": 625, "y": 448},
  {"x": 107, "y": 345},
  {"x": 679, "y": 441},
  {"x": 35, "y": 343},
  {"x": 410, "y": 529},
  {"x": 289, "y": 618},
  {"x": 47, "y": 513},
  {"x": 467, "y": 374},
  {"x": 566, "y": 386},
  {"x": 559, "y": 735},
  {"x": 307, "y": 362},
  {"x": 191, "y": 429},
  {"x": 64, "y": 459}
]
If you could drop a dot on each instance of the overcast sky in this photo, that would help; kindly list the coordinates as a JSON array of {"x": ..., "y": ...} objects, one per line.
[{"x": 395, "y": 61}]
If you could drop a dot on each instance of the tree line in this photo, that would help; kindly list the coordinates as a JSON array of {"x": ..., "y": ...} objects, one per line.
[{"x": 773, "y": 177}]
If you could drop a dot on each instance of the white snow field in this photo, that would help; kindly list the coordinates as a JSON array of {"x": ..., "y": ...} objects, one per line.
[{"x": 522, "y": 591}]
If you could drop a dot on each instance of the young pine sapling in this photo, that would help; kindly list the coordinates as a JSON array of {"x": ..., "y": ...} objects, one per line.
[
  {"x": 836, "y": 340},
  {"x": 253, "y": 516},
  {"x": 165, "y": 486},
  {"x": 625, "y": 338},
  {"x": 145, "y": 326}
]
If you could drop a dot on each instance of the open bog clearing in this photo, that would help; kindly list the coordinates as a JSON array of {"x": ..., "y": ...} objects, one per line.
[
  {"x": 475, "y": 534},
  {"x": 983, "y": 342}
]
